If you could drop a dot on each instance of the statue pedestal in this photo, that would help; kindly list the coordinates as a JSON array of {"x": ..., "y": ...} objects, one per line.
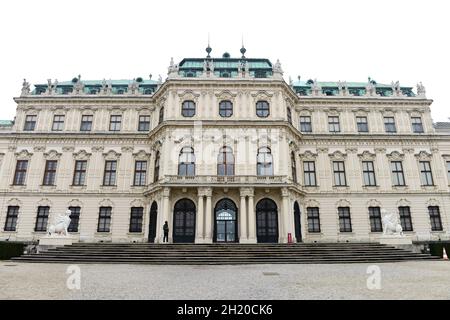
[
  {"x": 55, "y": 241},
  {"x": 395, "y": 240}
]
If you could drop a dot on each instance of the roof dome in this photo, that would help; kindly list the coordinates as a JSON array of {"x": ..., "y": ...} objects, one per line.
[{"x": 226, "y": 55}]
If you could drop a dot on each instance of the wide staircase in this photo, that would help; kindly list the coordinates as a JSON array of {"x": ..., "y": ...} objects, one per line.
[{"x": 222, "y": 254}]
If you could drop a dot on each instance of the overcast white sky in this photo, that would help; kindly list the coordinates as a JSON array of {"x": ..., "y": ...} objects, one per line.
[{"x": 328, "y": 40}]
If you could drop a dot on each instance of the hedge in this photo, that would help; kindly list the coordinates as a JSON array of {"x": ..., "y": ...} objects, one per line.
[{"x": 9, "y": 250}]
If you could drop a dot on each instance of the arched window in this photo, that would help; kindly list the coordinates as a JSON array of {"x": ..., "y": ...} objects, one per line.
[
  {"x": 186, "y": 162},
  {"x": 225, "y": 162},
  {"x": 264, "y": 162},
  {"x": 161, "y": 115},
  {"x": 293, "y": 167},
  {"x": 225, "y": 108},
  {"x": 262, "y": 109},
  {"x": 156, "y": 172},
  {"x": 188, "y": 108}
]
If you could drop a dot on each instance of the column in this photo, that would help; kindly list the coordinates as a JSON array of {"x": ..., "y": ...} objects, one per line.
[
  {"x": 199, "y": 237},
  {"x": 243, "y": 235},
  {"x": 166, "y": 212},
  {"x": 208, "y": 218},
  {"x": 251, "y": 217},
  {"x": 284, "y": 215}
]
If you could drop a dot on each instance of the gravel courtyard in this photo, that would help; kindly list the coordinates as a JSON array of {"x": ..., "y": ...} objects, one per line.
[{"x": 405, "y": 280}]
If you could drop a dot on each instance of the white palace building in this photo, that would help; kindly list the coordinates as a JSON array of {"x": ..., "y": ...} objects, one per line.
[{"x": 225, "y": 151}]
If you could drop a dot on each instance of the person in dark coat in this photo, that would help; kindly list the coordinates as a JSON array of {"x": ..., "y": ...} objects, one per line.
[{"x": 166, "y": 232}]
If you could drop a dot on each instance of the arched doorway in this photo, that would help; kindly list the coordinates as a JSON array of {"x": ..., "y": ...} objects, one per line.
[
  {"x": 184, "y": 221},
  {"x": 152, "y": 222},
  {"x": 266, "y": 221},
  {"x": 297, "y": 221},
  {"x": 225, "y": 221}
]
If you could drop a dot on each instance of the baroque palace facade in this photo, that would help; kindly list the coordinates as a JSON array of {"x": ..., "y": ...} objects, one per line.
[{"x": 225, "y": 151}]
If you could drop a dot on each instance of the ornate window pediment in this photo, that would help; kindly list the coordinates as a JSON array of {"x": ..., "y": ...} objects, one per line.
[
  {"x": 226, "y": 95},
  {"x": 312, "y": 203},
  {"x": 432, "y": 203},
  {"x": 337, "y": 156},
  {"x": 367, "y": 156},
  {"x": 141, "y": 155},
  {"x": 395, "y": 156},
  {"x": 106, "y": 203},
  {"x": 189, "y": 95},
  {"x": 403, "y": 203},
  {"x": 262, "y": 95},
  {"x": 423, "y": 156},
  {"x": 81, "y": 155},
  {"x": 137, "y": 203},
  {"x": 23, "y": 155},
  {"x": 52, "y": 155},
  {"x": 44, "y": 202},
  {"x": 363, "y": 112},
  {"x": 308, "y": 156},
  {"x": 14, "y": 202},
  {"x": 75, "y": 203},
  {"x": 111, "y": 155},
  {"x": 374, "y": 203},
  {"x": 343, "y": 203},
  {"x": 334, "y": 112},
  {"x": 388, "y": 112},
  {"x": 86, "y": 110}
]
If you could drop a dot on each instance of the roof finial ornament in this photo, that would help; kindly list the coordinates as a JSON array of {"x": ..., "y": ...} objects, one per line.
[
  {"x": 208, "y": 49},
  {"x": 243, "y": 50}
]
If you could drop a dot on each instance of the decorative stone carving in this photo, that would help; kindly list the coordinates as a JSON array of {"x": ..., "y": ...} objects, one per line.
[
  {"x": 308, "y": 156},
  {"x": 421, "y": 92},
  {"x": 423, "y": 156},
  {"x": 133, "y": 87},
  {"x": 25, "y": 88},
  {"x": 81, "y": 155},
  {"x": 367, "y": 156},
  {"x": 60, "y": 225},
  {"x": 52, "y": 155},
  {"x": 395, "y": 156},
  {"x": 23, "y": 155},
  {"x": 390, "y": 223},
  {"x": 338, "y": 156},
  {"x": 316, "y": 89}
]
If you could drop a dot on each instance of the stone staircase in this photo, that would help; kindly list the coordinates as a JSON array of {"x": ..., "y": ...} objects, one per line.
[{"x": 224, "y": 254}]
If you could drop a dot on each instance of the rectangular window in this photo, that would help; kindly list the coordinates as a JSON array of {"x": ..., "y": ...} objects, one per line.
[
  {"x": 115, "y": 123},
  {"x": 425, "y": 173},
  {"x": 333, "y": 124},
  {"x": 79, "y": 175},
  {"x": 362, "y": 124},
  {"x": 369, "y": 174},
  {"x": 109, "y": 177},
  {"x": 58, "y": 123},
  {"x": 104, "y": 219},
  {"x": 339, "y": 173},
  {"x": 140, "y": 173},
  {"x": 42, "y": 219},
  {"x": 435, "y": 218},
  {"x": 389, "y": 125},
  {"x": 417, "y": 124},
  {"x": 30, "y": 123},
  {"x": 309, "y": 170},
  {"x": 74, "y": 219},
  {"x": 136, "y": 219},
  {"x": 50, "y": 173},
  {"x": 86, "y": 123},
  {"x": 20, "y": 173},
  {"x": 448, "y": 172},
  {"x": 405, "y": 218},
  {"x": 313, "y": 219},
  {"x": 144, "y": 123},
  {"x": 345, "y": 221},
  {"x": 11, "y": 218},
  {"x": 375, "y": 219},
  {"x": 305, "y": 124},
  {"x": 398, "y": 178}
]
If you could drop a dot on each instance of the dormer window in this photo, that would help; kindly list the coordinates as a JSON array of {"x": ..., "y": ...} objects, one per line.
[
  {"x": 262, "y": 109},
  {"x": 188, "y": 108}
]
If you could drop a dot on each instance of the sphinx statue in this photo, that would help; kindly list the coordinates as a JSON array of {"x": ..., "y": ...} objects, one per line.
[
  {"x": 60, "y": 225},
  {"x": 391, "y": 226}
]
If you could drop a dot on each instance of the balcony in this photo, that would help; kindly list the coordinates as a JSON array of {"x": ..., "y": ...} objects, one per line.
[{"x": 175, "y": 180}]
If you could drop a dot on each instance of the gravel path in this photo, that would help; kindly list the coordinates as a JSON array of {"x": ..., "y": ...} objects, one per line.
[{"x": 405, "y": 280}]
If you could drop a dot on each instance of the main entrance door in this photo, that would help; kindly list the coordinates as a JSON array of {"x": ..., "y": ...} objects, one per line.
[
  {"x": 152, "y": 222},
  {"x": 266, "y": 221},
  {"x": 184, "y": 221},
  {"x": 297, "y": 222},
  {"x": 225, "y": 221}
]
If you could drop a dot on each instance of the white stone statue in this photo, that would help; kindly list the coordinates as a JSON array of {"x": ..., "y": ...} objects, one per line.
[
  {"x": 371, "y": 90},
  {"x": 421, "y": 92},
  {"x": 316, "y": 88},
  {"x": 390, "y": 223},
  {"x": 277, "y": 67},
  {"x": 25, "y": 88},
  {"x": 133, "y": 87},
  {"x": 159, "y": 80},
  {"x": 78, "y": 86},
  {"x": 60, "y": 225}
]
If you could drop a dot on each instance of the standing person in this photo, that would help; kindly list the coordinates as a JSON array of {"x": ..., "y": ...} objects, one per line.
[{"x": 166, "y": 232}]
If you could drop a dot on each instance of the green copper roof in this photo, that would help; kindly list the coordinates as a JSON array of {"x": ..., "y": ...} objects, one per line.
[
  {"x": 6, "y": 123},
  {"x": 225, "y": 63}
]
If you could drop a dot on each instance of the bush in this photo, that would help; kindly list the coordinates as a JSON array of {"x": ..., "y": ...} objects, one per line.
[{"x": 9, "y": 250}]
